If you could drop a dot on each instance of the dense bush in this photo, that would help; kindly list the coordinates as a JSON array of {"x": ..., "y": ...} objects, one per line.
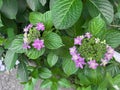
[{"x": 67, "y": 43}]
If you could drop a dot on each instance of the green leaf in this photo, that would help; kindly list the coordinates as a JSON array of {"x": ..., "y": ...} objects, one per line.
[
  {"x": 45, "y": 18},
  {"x": 65, "y": 13},
  {"x": 52, "y": 59},
  {"x": 46, "y": 84},
  {"x": 69, "y": 66},
  {"x": 86, "y": 88},
  {"x": 95, "y": 76},
  {"x": 112, "y": 38},
  {"x": 34, "y": 4},
  {"x": 10, "y": 59},
  {"x": 34, "y": 53},
  {"x": 17, "y": 45},
  {"x": 1, "y": 3},
  {"x": 64, "y": 83},
  {"x": 9, "y": 8},
  {"x": 103, "y": 7},
  {"x": 54, "y": 86},
  {"x": 96, "y": 25},
  {"x": 52, "y": 40},
  {"x": 22, "y": 72},
  {"x": 116, "y": 80},
  {"x": 1, "y": 51},
  {"x": 45, "y": 73},
  {"x": 43, "y": 2},
  {"x": 0, "y": 21},
  {"x": 29, "y": 86}
]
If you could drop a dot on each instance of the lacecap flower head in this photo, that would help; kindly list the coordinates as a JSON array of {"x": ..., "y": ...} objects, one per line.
[
  {"x": 90, "y": 51},
  {"x": 32, "y": 36}
]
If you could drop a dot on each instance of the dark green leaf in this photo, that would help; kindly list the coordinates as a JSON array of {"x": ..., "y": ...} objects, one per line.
[
  {"x": 64, "y": 83},
  {"x": 102, "y": 7},
  {"x": 66, "y": 12},
  {"x": 52, "y": 59},
  {"x": 34, "y": 53},
  {"x": 69, "y": 66},
  {"x": 46, "y": 84},
  {"x": 22, "y": 72},
  {"x": 45, "y": 18},
  {"x": 0, "y": 21},
  {"x": 10, "y": 59},
  {"x": 52, "y": 40},
  {"x": 45, "y": 73},
  {"x": 1, "y": 51},
  {"x": 9, "y": 8}
]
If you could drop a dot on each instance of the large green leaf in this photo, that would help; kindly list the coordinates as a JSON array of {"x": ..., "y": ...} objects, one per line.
[
  {"x": 45, "y": 18},
  {"x": 96, "y": 25},
  {"x": 10, "y": 8},
  {"x": 116, "y": 80},
  {"x": 10, "y": 59},
  {"x": 34, "y": 4},
  {"x": 52, "y": 40},
  {"x": 69, "y": 66},
  {"x": 1, "y": 3},
  {"x": 17, "y": 45},
  {"x": 102, "y": 7},
  {"x": 112, "y": 38},
  {"x": 64, "y": 83},
  {"x": 65, "y": 12},
  {"x": 22, "y": 72},
  {"x": 52, "y": 59},
  {"x": 46, "y": 83},
  {"x": 34, "y": 53},
  {"x": 45, "y": 73}
]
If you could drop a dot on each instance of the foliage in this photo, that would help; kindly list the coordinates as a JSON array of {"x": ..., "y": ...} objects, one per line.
[{"x": 63, "y": 20}]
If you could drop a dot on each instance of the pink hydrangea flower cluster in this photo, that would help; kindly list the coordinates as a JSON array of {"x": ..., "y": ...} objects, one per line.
[
  {"x": 80, "y": 61},
  {"x": 38, "y": 44}
]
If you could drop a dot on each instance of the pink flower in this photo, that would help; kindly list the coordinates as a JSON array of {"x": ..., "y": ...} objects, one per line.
[
  {"x": 40, "y": 26},
  {"x": 38, "y": 44},
  {"x": 26, "y": 29},
  {"x": 26, "y": 46},
  {"x": 88, "y": 35},
  {"x": 92, "y": 64},
  {"x": 73, "y": 50},
  {"x": 110, "y": 50},
  {"x": 108, "y": 56},
  {"x": 78, "y": 40},
  {"x": 75, "y": 56},
  {"x": 80, "y": 62}
]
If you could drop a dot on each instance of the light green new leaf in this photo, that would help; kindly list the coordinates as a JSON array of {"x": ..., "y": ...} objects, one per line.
[
  {"x": 43, "y": 2},
  {"x": 10, "y": 59},
  {"x": 52, "y": 40},
  {"x": 45, "y": 18},
  {"x": 34, "y": 53},
  {"x": 46, "y": 84},
  {"x": 68, "y": 66},
  {"x": 65, "y": 13},
  {"x": 45, "y": 73},
  {"x": 34, "y": 4},
  {"x": 52, "y": 59},
  {"x": 96, "y": 25},
  {"x": 102, "y": 7},
  {"x": 22, "y": 72},
  {"x": 9, "y": 8}
]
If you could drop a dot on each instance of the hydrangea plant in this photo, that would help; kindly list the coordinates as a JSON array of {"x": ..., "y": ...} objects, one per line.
[{"x": 62, "y": 43}]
